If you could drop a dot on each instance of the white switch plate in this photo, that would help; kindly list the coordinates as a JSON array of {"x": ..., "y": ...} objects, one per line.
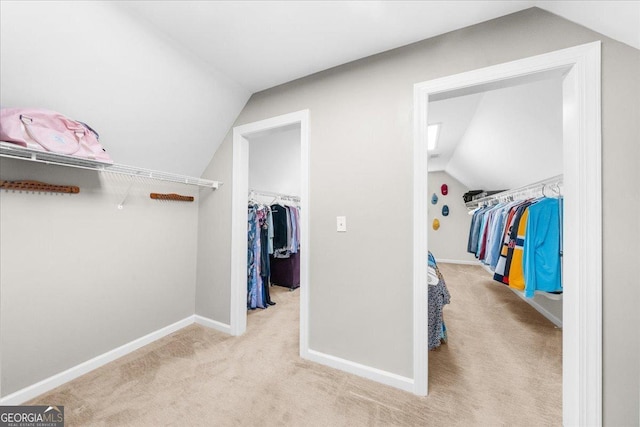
[{"x": 341, "y": 223}]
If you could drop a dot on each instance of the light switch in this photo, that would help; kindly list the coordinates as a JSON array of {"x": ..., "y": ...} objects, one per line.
[{"x": 342, "y": 223}]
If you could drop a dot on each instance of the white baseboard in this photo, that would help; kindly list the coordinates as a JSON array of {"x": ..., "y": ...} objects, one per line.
[
  {"x": 27, "y": 393},
  {"x": 54, "y": 381},
  {"x": 541, "y": 309},
  {"x": 213, "y": 324},
  {"x": 456, "y": 261},
  {"x": 373, "y": 374},
  {"x": 533, "y": 303}
]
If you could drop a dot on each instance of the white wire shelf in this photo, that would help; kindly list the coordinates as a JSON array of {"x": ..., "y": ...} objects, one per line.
[
  {"x": 14, "y": 151},
  {"x": 531, "y": 190},
  {"x": 273, "y": 194}
]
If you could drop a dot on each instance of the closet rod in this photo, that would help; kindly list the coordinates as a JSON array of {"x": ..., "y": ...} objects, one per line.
[
  {"x": 524, "y": 190},
  {"x": 273, "y": 194},
  {"x": 14, "y": 151}
]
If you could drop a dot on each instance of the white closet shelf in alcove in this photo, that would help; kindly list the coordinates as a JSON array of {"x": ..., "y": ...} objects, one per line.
[{"x": 14, "y": 151}]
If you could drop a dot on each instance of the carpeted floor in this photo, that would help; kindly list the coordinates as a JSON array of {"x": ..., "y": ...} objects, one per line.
[{"x": 501, "y": 366}]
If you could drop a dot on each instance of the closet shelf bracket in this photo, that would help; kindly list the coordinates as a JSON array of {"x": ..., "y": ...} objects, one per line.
[{"x": 126, "y": 195}]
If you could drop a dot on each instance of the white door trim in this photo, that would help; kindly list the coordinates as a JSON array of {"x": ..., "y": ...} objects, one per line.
[
  {"x": 238, "y": 317},
  {"x": 582, "y": 275}
]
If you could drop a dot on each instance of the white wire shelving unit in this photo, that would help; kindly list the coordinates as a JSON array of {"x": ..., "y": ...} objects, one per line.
[
  {"x": 551, "y": 185},
  {"x": 253, "y": 192},
  {"x": 13, "y": 151}
]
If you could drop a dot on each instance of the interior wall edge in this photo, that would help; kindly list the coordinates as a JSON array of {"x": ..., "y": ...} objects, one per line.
[{"x": 212, "y": 324}]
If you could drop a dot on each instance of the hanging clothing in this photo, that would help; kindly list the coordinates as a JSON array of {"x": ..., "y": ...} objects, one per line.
[
  {"x": 272, "y": 232},
  {"x": 296, "y": 214},
  {"x": 258, "y": 266},
  {"x": 254, "y": 281},
  {"x": 474, "y": 230},
  {"x": 521, "y": 242},
  {"x": 294, "y": 230},
  {"x": 279, "y": 214},
  {"x": 516, "y": 272},
  {"x": 265, "y": 263},
  {"x": 286, "y": 230},
  {"x": 289, "y": 228},
  {"x": 503, "y": 267},
  {"x": 437, "y": 298},
  {"x": 482, "y": 234},
  {"x": 264, "y": 254},
  {"x": 285, "y": 260},
  {"x": 542, "y": 266}
]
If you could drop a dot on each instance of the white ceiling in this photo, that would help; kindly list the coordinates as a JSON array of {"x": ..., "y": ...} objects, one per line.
[
  {"x": 500, "y": 138},
  {"x": 261, "y": 44},
  {"x": 454, "y": 116},
  {"x": 205, "y": 58}
]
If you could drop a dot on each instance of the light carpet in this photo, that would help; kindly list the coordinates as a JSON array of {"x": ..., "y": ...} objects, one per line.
[{"x": 501, "y": 366}]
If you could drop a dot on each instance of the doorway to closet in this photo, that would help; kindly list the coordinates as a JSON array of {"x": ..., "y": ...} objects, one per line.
[
  {"x": 502, "y": 139},
  {"x": 273, "y": 229},
  {"x": 260, "y": 151},
  {"x": 579, "y": 70}
]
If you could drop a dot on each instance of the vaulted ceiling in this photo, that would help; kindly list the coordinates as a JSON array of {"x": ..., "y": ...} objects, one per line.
[
  {"x": 134, "y": 58},
  {"x": 261, "y": 44},
  {"x": 501, "y": 138}
]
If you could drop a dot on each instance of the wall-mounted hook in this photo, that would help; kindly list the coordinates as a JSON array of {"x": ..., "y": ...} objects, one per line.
[
  {"x": 38, "y": 187},
  {"x": 172, "y": 196}
]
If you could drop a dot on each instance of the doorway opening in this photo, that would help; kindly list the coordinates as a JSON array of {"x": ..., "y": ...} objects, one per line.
[
  {"x": 242, "y": 135},
  {"x": 579, "y": 69},
  {"x": 273, "y": 254},
  {"x": 504, "y": 139}
]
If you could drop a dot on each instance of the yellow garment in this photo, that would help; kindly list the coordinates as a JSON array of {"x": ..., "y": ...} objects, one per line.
[{"x": 516, "y": 272}]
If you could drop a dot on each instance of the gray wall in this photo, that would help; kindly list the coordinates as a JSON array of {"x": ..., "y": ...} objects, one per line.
[
  {"x": 361, "y": 281},
  {"x": 78, "y": 277},
  {"x": 274, "y": 162},
  {"x": 449, "y": 242},
  {"x": 81, "y": 277},
  {"x": 213, "y": 295}
]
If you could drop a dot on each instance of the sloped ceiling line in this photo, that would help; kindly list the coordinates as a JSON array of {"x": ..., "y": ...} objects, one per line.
[
  {"x": 203, "y": 59},
  {"x": 258, "y": 44},
  {"x": 265, "y": 44}
]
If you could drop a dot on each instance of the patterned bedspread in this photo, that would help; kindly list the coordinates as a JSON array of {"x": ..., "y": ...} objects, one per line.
[{"x": 438, "y": 297}]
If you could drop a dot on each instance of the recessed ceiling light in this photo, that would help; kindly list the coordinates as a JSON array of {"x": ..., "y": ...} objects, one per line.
[{"x": 433, "y": 132}]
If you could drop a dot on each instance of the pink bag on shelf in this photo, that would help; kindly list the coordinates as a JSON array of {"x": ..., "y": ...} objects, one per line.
[{"x": 45, "y": 130}]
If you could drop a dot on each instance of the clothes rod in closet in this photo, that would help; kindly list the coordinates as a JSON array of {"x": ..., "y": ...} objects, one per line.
[
  {"x": 553, "y": 185},
  {"x": 274, "y": 194}
]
